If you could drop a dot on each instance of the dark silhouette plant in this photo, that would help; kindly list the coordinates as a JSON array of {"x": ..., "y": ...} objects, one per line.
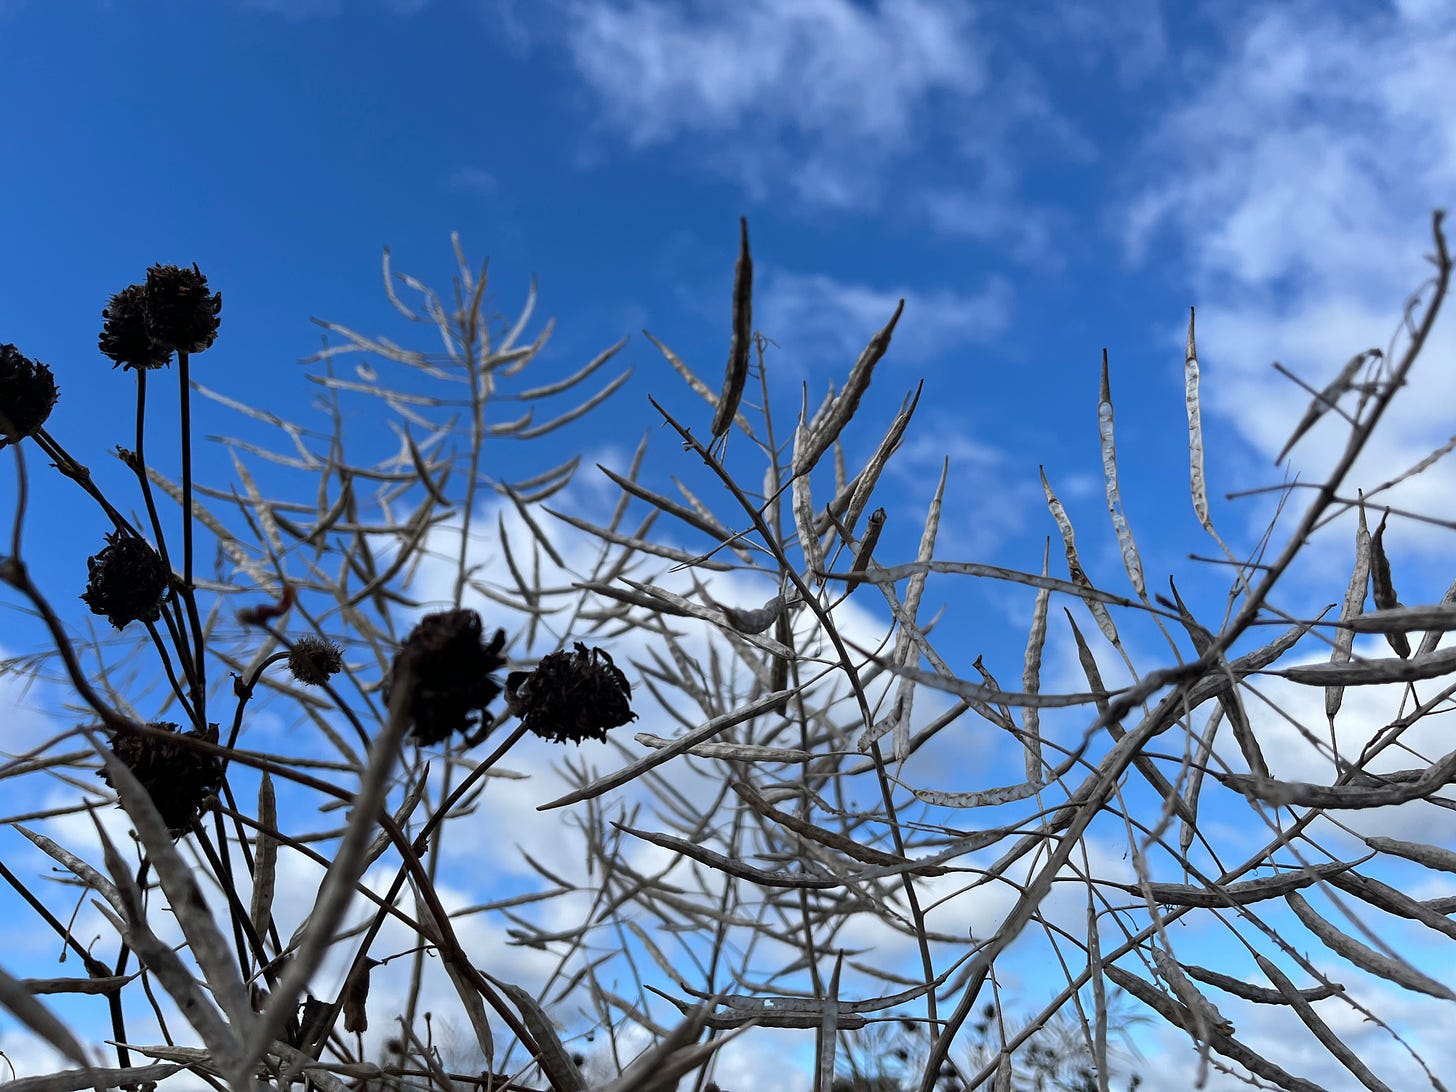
[{"x": 795, "y": 785}]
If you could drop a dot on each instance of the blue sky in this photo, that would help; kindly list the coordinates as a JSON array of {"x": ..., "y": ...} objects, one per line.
[
  {"x": 1037, "y": 185},
  {"x": 1038, "y": 182}
]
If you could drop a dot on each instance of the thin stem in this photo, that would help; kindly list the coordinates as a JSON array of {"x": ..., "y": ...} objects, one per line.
[
  {"x": 189, "y": 593},
  {"x": 171, "y": 674},
  {"x": 81, "y": 475},
  {"x": 138, "y": 464}
]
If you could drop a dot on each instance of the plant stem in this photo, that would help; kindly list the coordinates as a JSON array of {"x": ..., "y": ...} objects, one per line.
[{"x": 199, "y": 680}]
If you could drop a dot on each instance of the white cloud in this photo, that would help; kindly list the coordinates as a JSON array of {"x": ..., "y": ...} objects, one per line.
[
  {"x": 841, "y": 104},
  {"x": 815, "y": 94},
  {"x": 992, "y": 214},
  {"x": 1298, "y": 182},
  {"x": 1132, "y": 35},
  {"x": 664, "y": 69},
  {"x": 815, "y": 313}
]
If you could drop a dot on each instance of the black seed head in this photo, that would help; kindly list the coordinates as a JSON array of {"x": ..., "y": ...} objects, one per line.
[
  {"x": 181, "y": 313},
  {"x": 572, "y": 696},
  {"x": 27, "y": 393},
  {"x": 177, "y": 778},
  {"x": 450, "y": 674},
  {"x": 126, "y": 581}
]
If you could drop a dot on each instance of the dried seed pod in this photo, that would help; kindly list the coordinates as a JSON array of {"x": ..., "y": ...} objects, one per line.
[
  {"x": 824, "y": 431},
  {"x": 754, "y": 621},
  {"x": 356, "y": 996},
  {"x": 314, "y": 660},
  {"x": 27, "y": 394},
  {"x": 1382, "y": 589},
  {"x": 313, "y": 1019},
  {"x": 866, "y": 548},
  {"x": 737, "y": 371},
  {"x": 268, "y": 612}
]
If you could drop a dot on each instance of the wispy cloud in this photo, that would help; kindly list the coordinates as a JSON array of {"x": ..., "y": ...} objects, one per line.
[
  {"x": 827, "y": 69},
  {"x": 1130, "y": 35},
  {"x": 815, "y": 313},
  {"x": 815, "y": 94},
  {"x": 990, "y": 214},
  {"x": 473, "y": 179},
  {"x": 1293, "y": 191},
  {"x": 1315, "y": 145}
]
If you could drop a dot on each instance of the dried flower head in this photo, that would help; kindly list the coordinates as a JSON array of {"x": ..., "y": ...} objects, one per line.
[
  {"x": 126, "y": 332},
  {"x": 181, "y": 313},
  {"x": 27, "y": 394},
  {"x": 572, "y": 695},
  {"x": 126, "y": 581},
  {"x": 314, "y": 660},
  {"x": 177, "y": 778},
  {"x": 449, "y": 668}
]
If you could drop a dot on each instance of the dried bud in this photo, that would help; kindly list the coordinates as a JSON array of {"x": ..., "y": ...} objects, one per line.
[
  {"x": 126, "y": 334},
  {"x": 355, "y": 998},
  {"x": 126, "y": 581},
  {"x": 571, "y": 695},
  {"x": 27, "y": 393},
  {"x": 313, "y": 1020},
  {"x": 177, "y": 778},
  {"x": 450, "y": 673},
  {"x": 181, "y": 313},
  {"x": 314, "y": 660}
]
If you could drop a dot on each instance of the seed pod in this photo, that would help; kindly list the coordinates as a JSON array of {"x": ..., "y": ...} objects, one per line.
[
  {"x": 755, "y": 621},
  {"x": 355, "y": 998},
  {"x": 126, "y": 333},
  {"x": 737, "y": 371},
  {"x": 314, "y": 660},
  {"x": 866, "y": 548},
  {"x": 1382, "y": 589}
]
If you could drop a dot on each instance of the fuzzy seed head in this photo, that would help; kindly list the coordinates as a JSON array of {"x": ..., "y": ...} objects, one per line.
[{"x": 314, "y": 660}]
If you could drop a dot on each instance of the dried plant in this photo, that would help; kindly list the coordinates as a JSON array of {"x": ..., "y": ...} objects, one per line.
[{"x": 768, "y": 862}]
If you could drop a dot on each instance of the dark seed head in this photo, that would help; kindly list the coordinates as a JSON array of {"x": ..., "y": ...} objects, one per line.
[
  {"x": 27, "y": 393},
  {"x": 571, "y": 696},
  {"x": 177, "y": 778},
  {"x": 126, "y": 581},
  {"x": 126, "y": 333},
  {"x": 449, "y": 668},
  {"x": 181, "y": 313}
]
